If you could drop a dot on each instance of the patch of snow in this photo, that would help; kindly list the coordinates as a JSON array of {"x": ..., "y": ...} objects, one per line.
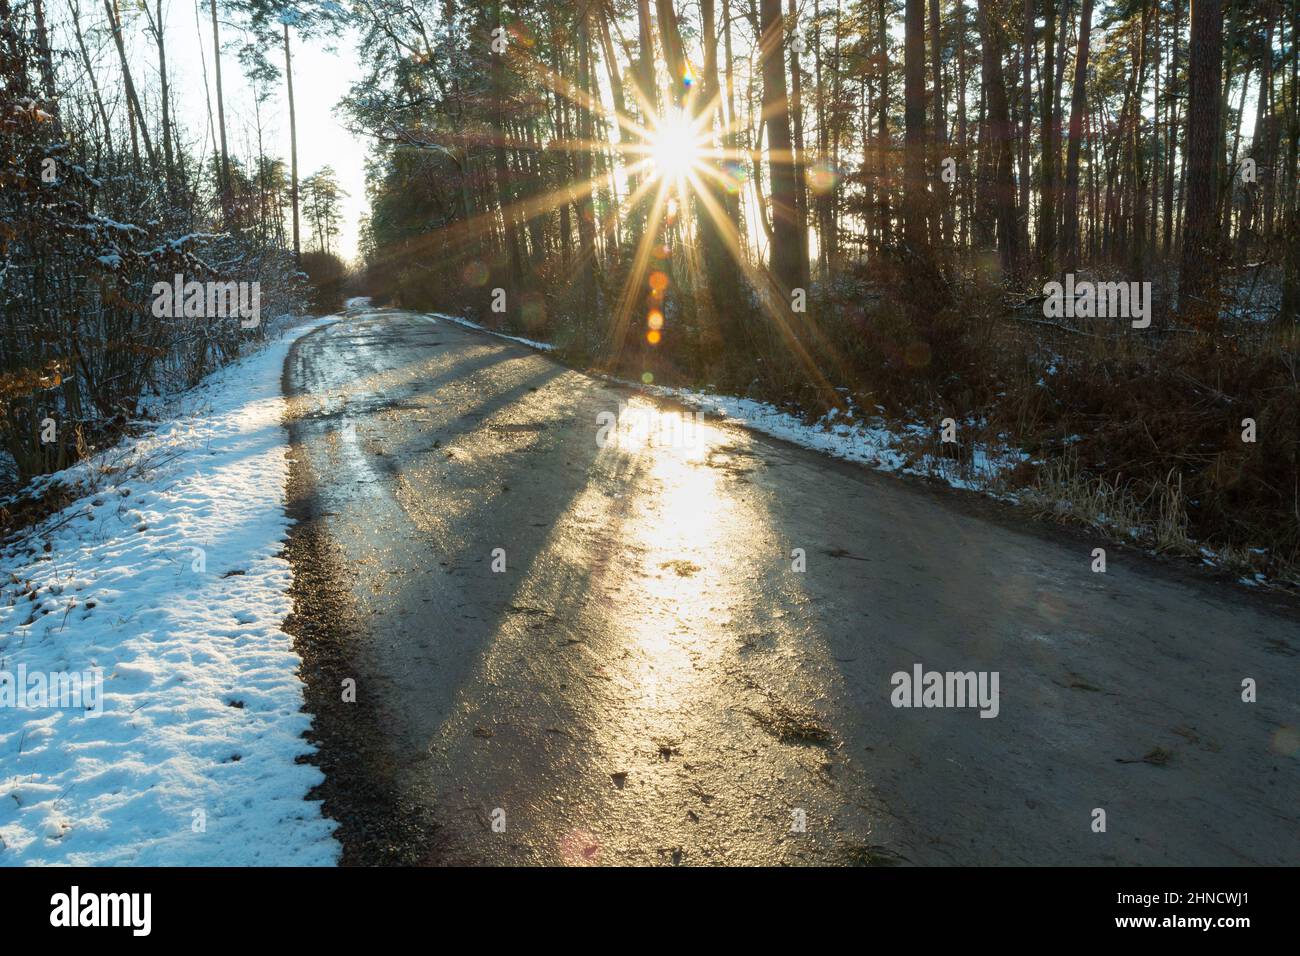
[
  {"x": 878, "y": 445},
  {"x": 116, "y": 226},
  {"x": 532, "y": 344},
  {"x": 168, "y": 579}
]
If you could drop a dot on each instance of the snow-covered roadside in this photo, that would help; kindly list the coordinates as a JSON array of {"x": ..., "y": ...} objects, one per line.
[
  {"x": 882, "y": 447},
  {"x": 885, "y": 449},
  {"x": 168, "y": 580}
]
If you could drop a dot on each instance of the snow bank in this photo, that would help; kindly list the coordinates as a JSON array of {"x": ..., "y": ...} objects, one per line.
[{"x": 167, "y": 583}]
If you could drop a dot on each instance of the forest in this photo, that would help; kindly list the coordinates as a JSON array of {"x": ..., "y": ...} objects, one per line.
[{"x": 859, "y": 210}]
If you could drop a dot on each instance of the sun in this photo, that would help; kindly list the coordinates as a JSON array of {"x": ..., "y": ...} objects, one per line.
[{"x": 676, "y": 146}]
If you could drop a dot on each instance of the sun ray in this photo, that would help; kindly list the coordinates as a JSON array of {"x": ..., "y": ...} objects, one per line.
[
  {"x": 675, "y": 160},
  {"x": 637, "y": 274},
  {"x": 773, "y": 296}
]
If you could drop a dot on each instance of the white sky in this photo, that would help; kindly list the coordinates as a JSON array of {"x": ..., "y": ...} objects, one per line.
[{"x": 320, "y": 79}]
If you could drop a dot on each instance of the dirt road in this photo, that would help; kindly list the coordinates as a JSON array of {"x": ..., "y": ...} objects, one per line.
[{"x": 587, "y": 654}]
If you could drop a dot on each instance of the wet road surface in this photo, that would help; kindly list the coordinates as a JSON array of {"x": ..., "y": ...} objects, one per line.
[{"x": 593, "y": 647}]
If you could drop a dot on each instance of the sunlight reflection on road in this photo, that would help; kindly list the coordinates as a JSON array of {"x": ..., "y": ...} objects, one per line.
[
  {"x": 599, "y": 684},
  {"x": 675, "y": 577},
  {"x": 644, "y": 563},
  {"x": 683, "y": 523}
]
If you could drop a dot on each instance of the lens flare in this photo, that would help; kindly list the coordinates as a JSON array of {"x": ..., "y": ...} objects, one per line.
[
  {"x": 822, "y": 177},
  {"x": 734, "y": 176}
]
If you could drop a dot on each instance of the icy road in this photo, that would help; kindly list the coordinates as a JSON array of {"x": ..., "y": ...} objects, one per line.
[{"x": 531, "y": 641}]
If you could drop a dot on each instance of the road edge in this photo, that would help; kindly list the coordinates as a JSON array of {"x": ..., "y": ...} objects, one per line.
[{"x": 376, "y": 827}]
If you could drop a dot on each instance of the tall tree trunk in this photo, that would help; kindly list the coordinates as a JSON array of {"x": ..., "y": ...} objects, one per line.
[
  {"x": 797, "y": 155},
  {"x": 1058, "y": 83},
  {"x": 1119, "y": 178},
  {"x": 45, "y": 57},
  {"x": 1050, "y": 144},
  {"x": 584, "y": 208},
  {"x": 883, "y": 151},
  {"x": 1292, "y": 168},
  {"x": 784, "y": 256},
  {"x": 647, "y": 95},
  {"x": 1290, "y": 304},
  {"x": 1229, "y": 75},
  {"x": 963, "y": 180},
  {"x": 293, "y": 146},
  {"x": 983, "y": 224},
  {"x": 620, "y": 109},
  {"x": 505, "y": 183},
  {"x": 164, "y": 96},
  {"x": 133, "y": 101},
  {"x": 832, "y": 233},
  {"x": 731, "y": 139},
  {"x": 1171, "y": 136},
  {"x": 670, "y": 38},
  {"x": 718, "y": 237},
  {"x": 1136, "y": 168},
  {"x": 822, "y": 202},
  {"x": 1272, "y": 126},
  {"x": 1025, "y": 116},
  {"x": 940, "y": 122},
  {"x": 1002, "y": 159},
  {"x": 1198, "y": 277},
  {"x": 1156, "y": 164},
  {"x": 915, "y": 199},
  {"x": 1094, "y": 182},
  {"x": 1078, "y": 109},
  {"x": 1259, "y": 139},
  {"x": 1234, "y": 163},
  {"x": 221, "y": 114}
]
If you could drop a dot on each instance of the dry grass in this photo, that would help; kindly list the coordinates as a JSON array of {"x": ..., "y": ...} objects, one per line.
[{"x": 1062, "y": 491}]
